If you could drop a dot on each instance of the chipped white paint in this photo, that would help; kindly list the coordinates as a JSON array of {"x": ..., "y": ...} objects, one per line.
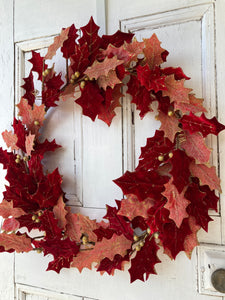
[{"x": 102, "y": 153}]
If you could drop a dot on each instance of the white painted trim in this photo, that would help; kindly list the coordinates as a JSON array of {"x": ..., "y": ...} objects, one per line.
[{"x": 101, "y": 16}]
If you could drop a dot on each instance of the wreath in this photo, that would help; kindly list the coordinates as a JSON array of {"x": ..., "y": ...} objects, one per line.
[{"x": 166, "y": 198}]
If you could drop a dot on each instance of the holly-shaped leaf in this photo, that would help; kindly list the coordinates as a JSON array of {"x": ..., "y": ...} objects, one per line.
[
  {"x": 29, "y": 143},
  {"x": 69, "y": 44},
  {"x": 176, "y": 203},
  {"x": 20, "y": 243},
  {"x": 207, "y": 175},
  {"x": 58, "y": 42},
  {"x": 79, "y": 225},
  {"x": 29, "y": 88},
  {"x": 144, "y": 261},
  {"x": 10, "y": 139},
  {"x": 105, "y": 248},
  {"x": 180, "y": 169},
  {"x": 194, "y": 145},
  {"x": 60, "y": 212},
  {"x": 109, "y": 266},
  {"x": 153, "y": 51},
  {"x": 132, "y": 207},
  {"x": 194, "y": 105},
  {"x": 7, "y": 210},
  {"x": 202, "y": 124},
  {"x": 38, "y": 64},
  {"x": 169, "y": 124},
  {"x": 176, "y": 90}
]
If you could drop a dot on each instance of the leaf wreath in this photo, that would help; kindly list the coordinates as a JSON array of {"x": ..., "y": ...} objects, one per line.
[{"x": 167, "y": 196}]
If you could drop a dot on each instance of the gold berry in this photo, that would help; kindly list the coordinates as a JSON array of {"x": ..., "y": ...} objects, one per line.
[
  {"x": 170, "y": 155},
  {"x": 36, "y": 123},
  {"x": 43, "y": 73},
  {"x": 170, "y": 113},
  {"x": 160, "y": 157},
  {"x": 47, "y": 72},
  {"x": 82, "y": 84},
  {"x": 73, "y": 76},
  {"x": 77, "y": 74},
  {"x": 25, "y": 158},
  {"x": 156, "y": 235},
  {"x": 39, "y": 250},
  {"x": 72, "y": 81},
  {"x": 138, "y": 248},
  {"x": 141, "y": 244},
  {"x": 34, "y": 217},
  {"x": 148, "y": 230},
  {"x": 17, "y": 160},
  {"x": 86, "y": 78},
  {"x": 40, "y": 213},
  {"x": 135, "y": 238},
  {"x": 84, "y": 239},
  {"x": 37, "y": 220},
  {"x": 18, "y": 156}
]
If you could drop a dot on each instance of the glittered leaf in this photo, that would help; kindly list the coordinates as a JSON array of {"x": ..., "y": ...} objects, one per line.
[
  {"x": 60, "y": 212},
  {"x": 20, "y": 243},
  {"x": 109, "y": 266},
  {"x": 176, "y": 203},
  {"x": 10, "y": 224},
  {"x": 151, "y": 79},
  {"x": 153, "y": 51},
  {"x": 10, "y": 139},
  {"x": 194, "y": 105},
  {"x": 29, "y": 143},
  {"x": 191, "y": 240},
  {"x": 7, "y": 210},
  {"x": 69, "y": 44},
  {"x": 169, "y": 124},
  {"x": 58, "y": 42}
]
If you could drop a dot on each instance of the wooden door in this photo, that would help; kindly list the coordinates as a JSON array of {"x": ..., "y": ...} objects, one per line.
[{"x": 93, "y": 155}]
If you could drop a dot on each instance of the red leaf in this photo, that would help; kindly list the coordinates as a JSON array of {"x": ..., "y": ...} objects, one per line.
[
  {"x": 169, "y": 124},
  {"x": 68, "y": 47},
  {"x": 38, "y": 64},
  {"x": 194, "y": 145},
  {"x": 58, "y": 42},
  {"x": 49, "y": 224},
  {"x": 176, "y": 90},
  {"x": 28, "y": 222},
  {"x": 20, "y": 243},
  {"x": 132, "y": 207},
  {"x": 7, "y": 210},
  {"x": 10, "y": 224},
  {"x": 176, "y": 203},
  {"x": 142, "y": 184},
  {"x": 109, "y": 266},
  {"x": 206, "y": 126},
  {"x": 21, "y": 133},
  {"x": 29, "y": 89},
  {"x": 153, "y": 51},
  {"x": 180, "y": 170},
  {"x": 117, "y": 39},
  {"x": 178, "y": 73},
  {"x": 144, "y": 261},
  {"x": 151, "y": 79},
  {"x": 46, "y": 146},
  {"x": 191, "y": 240},
  {"x": 90, "y": 100},
  {"x": 207, "y": 175},
  {"x": 60, "y": 213},
  {"x": 79, "y": 60}
]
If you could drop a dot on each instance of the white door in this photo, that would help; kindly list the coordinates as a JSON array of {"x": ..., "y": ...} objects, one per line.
[{"x": 192, "y": 31}]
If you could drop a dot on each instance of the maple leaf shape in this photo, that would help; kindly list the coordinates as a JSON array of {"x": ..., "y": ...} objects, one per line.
[
  {"x": 29, "y": 143},
  {"x": 178, "y": 73},
  {"x": 105, "y": 248},
  {"x": 144, "y": 261},
  {"x": 117, "y": 39},
  {"x": 142, "y": 184},
  {"x": 21, "y": 133},
  {"x": 180, "y": 169},
  {"x": 207, "y": 175},
  {"x": 58, "y": 42},
  {"x": 134, "y": 48},
  {"x": 117, "y": 222},
  {"x": 151, "y": 79},
  {"x": 210, "y": 197},
  {"x": 140, "y": 96},
  {"x": 51, "y": 91},
  {"x": 5, "y": 158},
  {"x": 153, "y": 51},
  {"x": 7, "y": 210},
  {"x": 110, "y": 80},
  {"x": 10, "y": 224},
  {"x": 69, "y": 44},
  {"x": 109, "y": 266},
  {"x": 31, "y": 116},
  {"x": 202, "y": 124},
  {"x": 169, "y": 124},
  {"x": 46, "y": 146},
  {"x": 79, "y": 225},
  {"x": 103, "y": 68},
  {"x": 132, "y": 207},
  {"x": 155, "y": 146},
  {"x": 195, "y": 146},
  {"x": 49, "y": 224},
  {"x": 29, "y": 88},
  {"x": 176, "y": 90},
  {"x": 79, "y": 60},
  {"x": 194, "y": 105},
  {"x": 198, "y": 207},
  {"x": 191, "y": 240},
  {"x": 10, "y": 139},
  {"x": 90, "y": 100},
  {"x": 176, "y": 203},
  {"x": 60, "y": 213},
  {"x": 108, "y": 110},
  {"x": 20, "y": 243},
  {"x": 38, "y": 64},
  {"x": 104, "y": 232},
  {"x": 173, "y": 237},
  {"x": 91, "y": 38}
]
